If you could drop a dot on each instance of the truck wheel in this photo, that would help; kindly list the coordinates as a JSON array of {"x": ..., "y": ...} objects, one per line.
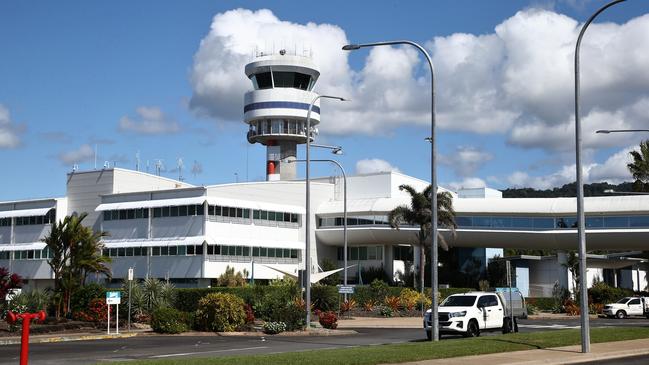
[
  {"x": 507, "y": 325},
  {"x": 620, "y": 314},
  {"x": 429, "y": 335},
  {"x": 472, "y": 329}
]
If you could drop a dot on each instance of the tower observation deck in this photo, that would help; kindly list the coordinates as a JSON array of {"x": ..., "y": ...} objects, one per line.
[{"x": 276, "y": 109}]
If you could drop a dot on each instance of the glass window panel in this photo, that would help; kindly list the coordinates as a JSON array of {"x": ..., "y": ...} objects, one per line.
[
  {"x": 106, "y": 215},
  {"x": 353, "y": 253},
  {"x": 239, "y": 212},
  {"x": 482, "y": 221},
  {"x": 262, "y": 80},
  {"x": 121, "y": 251},
  {"x": 239, "y": 250},
  {"x": 164, "y": 251},
  {"x": 246, "y": 251},
  {"x": 173, "y": 250},
  {"x": 246, "y": 213},
  {"x": 122, "y": 214},
  {"x": 501, "y": 222},
  {"x": 30, "y": 254},
  {"x": 616, "y": 222},
  {"x": 271, "y": 216},
  {"x": 182, "y": 250},
  {"x": 639, "y": 221},
  {"x": 210, "y": 249},
  {"x": 191, "y": 210},
  {"x": 165, "y": 211},
  {"x": 287, "y": 217},
  {"x": 522, "y": 223},
  {"x": 190, "y": 250},
  {"x": 173, "y": 211},
  {"x": 371, "y": 253},
  {"x": 264, "y": 214},
  {"x": 255, "y": 214},
  {"x": 113, "y": 252},
  {"x": 263, "y": 251},
  {"x": 39, "y": 219},
  {"x": 255, "y": 251},
  {"x": 199, "y": 249},
  {"x": 210, "y": 209},
  {"x": 157, "y": 212},
  {"x": 138, "y": 213},
  {"x": 182, "y": 210},
  {"x": 566, "y": 222},
  {"x": 271, "y": 252},
  {"x": 339, "y": 221},
  {"x": 130, "y": 214},
  {"x": 379, "y": 253},
  {"x": 293, "y": 218},
  {"x": 293, "y": 254},
  {"x": 543, "y": 223},
  {"x": 362, "y": 253},
  {"x": 129, "y": 251},
  {"x": 200, "y": 209},
  {"x": 156, "y": 251},
  {"x": 32, "y": 220},
  {"x": 137, "y": 251}
]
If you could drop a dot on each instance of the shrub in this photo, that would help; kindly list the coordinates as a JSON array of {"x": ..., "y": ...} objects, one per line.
[
  {"x": 542, "y": 304},
  {"x": 571, "y": 308},
  {"x": 168, "y": 320},
  {"x": 97, "y": 312},
  {"x": 328, "y": 320},
  {"x": 531, "y": 309},
  {"x": 292, "y": 315},
  {"x": 231, "y": 279},
  {"x": 250, "y": 314},
  {"x": 370, "y": 274},
  {"x": 273, "y": 328},
  {"x": 187, "y": 298},
  {"x": 220, "y": 312},
  {"x": 324, "y": 297},
  {"x": 347, "y": 306},
  {"x": 81, "y": 298},
  {"x": 408, "y": 298},
  {"x": 379, "y": 289},
  {"x": 604, "y": 294},
  {"x": 386, "y": 311},
  {"x": 269, "y": 302},
  {"x": 368, "y": 306},
  {"x": 393, "y": 303}
]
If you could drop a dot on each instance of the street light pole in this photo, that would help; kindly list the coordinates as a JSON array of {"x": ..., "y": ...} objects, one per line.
[
  {"x": 433, "y": 177},
  {"x": 307, "y": 221},
  {"x": 344, "y": 209},
  {"x": 581, "y": 224}
]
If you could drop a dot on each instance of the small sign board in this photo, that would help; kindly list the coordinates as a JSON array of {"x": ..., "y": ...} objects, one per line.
[
  {"x": 346, "y": 289},
  {"x": 130, "y": 274},
  {"x": 113, "y": 297}
]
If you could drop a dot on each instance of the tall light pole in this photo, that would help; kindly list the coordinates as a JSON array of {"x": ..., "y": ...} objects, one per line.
[
  {"x": 307, "y": 221},
  {"x": 336, "y": 151},
  {"x": 433, "y": 176},
  {"x": 581, "y": 224}
]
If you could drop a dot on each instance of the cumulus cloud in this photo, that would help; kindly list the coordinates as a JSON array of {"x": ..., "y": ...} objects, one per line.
[
  {"x": 468, "y": 183},
  {"x": 372, "y": 165},
  {"x": 149, "y": 121},
  {"x": 9, "y": 131},
  {"x": 613, "y": 171},
  {"x": 84, "y": 153},
  {"x": 465, "y": 160}
]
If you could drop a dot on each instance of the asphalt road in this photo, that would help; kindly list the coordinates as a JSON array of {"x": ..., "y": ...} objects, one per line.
[
  {"x": 158, "y": 347},
  {"x": 633, "y": 360}
]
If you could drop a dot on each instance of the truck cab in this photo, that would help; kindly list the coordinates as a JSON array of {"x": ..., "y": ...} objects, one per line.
[
  {"x": 628, "y": 306},
  {"x": 470, "y": 313}
]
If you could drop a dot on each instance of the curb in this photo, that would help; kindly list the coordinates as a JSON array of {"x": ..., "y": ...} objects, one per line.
[{"x": 16, "y": 341}]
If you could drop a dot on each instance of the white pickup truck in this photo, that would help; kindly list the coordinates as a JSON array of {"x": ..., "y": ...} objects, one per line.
[
  {"x": 628, "y": 306},
  {"x": 470, "y": 313}
]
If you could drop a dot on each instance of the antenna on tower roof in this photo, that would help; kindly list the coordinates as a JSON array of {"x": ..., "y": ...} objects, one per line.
[
  {"x": 159, "y": 166},
  {"x": 137, "y": 161},
  {"x": 180, "y": 169}
]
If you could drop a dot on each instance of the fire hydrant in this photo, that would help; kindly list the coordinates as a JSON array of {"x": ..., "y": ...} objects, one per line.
[{"x": 24, "y": 338}]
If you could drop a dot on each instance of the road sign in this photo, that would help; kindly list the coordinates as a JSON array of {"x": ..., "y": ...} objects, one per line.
[
  {"x": 345, "y": 289},
  {"x": 113, "y": 297},
  {"x": 130, "y": 274}
]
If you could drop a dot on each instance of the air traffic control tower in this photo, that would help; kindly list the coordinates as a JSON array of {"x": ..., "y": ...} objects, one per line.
[{"x": 276, "y": 109}]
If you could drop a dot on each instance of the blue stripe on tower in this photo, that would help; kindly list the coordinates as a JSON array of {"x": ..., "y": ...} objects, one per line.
[{"x": 280, "y": 104}]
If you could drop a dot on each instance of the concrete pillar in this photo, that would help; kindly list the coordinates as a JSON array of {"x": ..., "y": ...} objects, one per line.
[{"x": 562, "y": 270}]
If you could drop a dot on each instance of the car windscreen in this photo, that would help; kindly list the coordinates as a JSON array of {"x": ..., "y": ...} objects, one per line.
[
  {"x": 459, "y": 301},
  {"x": 623, "y": 300}
]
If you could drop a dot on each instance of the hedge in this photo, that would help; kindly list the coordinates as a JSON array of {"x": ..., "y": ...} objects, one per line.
[{"x": 543, "y": 304}]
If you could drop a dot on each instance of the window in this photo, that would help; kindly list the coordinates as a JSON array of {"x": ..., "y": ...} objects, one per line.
[
  {"x": 255, "y": 251},
  {"x": 616, "y": 222},
  {"x": 130, "y": 214},
  {"x": 182, "y": 210},
  {"x": 165, "y": 211},
  {"x": 190, "y": 250},
  {"x": 262, "y": 81},
  {"x": 639, "y": 221},
  {"x": 543, "y": 223},
  {"x": 173, "y": 250},
  {"x": 256, "y": 214},
  {"x": 482, "y": 221},
  {"x": 294, "y": 80},
  {"x": 122, "y": 214},
  {"x": 210, "y": 210},
  {"x": 157, "y": 212},
  {"x": 156, "y": 251},
  {"x": 634, "y": 301},
  {"x": 173, "y": 211},
  {"x": 199, "y": 209},
  {"x": 107, "y": 215}
]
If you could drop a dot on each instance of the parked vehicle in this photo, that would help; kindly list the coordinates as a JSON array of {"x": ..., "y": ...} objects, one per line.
[
  {"x": 628, "y": 306},
  {"x": 470, "y": 313}
]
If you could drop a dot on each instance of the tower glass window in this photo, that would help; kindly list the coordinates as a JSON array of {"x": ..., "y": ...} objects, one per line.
[
  {"x": 294, "y": 80},
  {"x": 262, "y": 81}
]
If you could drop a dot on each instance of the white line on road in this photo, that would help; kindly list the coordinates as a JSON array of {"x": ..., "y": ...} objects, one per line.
[
  {"x": 550, "y": 326},
  {"x": 208, "y": 352}
]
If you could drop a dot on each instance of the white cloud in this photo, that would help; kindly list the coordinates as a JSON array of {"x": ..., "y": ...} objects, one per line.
[
  {"x": 468, "y": 183},
  {"x": 149, "y": 120},
  {"x": 466, "y": 160},
  {"x": 373, "y": 165},
  {"x": 84, "y": 153},
  {"x": 8, "y": 130},
  {"x": 613, "y": 171}
]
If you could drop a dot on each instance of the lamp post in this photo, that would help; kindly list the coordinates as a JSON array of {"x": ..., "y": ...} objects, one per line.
[
  {"x": 581, "y": 226},
  {"x": 337, "y": 150},
  {"x": 307, "y": 221},
  {"x": 433, "y": 176}
]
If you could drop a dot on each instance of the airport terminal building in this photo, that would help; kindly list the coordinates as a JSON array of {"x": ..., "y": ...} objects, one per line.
[{"x": 187, "y": 234}]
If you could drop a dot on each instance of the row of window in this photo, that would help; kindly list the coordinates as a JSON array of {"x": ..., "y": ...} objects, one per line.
[
  {"x": 31, "y": 220},
  {"x": 370, "y": 220},
  {"x": 294, "y": 80},
  {"x": 192, "y": 250},
  {"x": 277, "y": 126},
  {"x": 232, "y": 212},
  {"x": 361, "y": 253},
  {"x": 275, "y": 216},
  {"x": 113, "y": 215},
  {"x": 178, "y": 211},
  {"x": 551, "y": 222},
  {"x": 45, "y": 253}
]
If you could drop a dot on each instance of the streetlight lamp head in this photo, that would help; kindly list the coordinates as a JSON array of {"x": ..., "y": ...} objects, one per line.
[
  {"x": 604, "y": 131},
  {"x": 351, "y": 47},
  {"x": 337, "y": 151}
]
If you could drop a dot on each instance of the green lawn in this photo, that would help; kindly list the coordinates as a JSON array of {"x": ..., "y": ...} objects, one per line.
[{"x": 368, "y": 355}]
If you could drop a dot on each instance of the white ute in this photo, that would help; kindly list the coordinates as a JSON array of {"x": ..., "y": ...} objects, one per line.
[
  {"x": 629, "y": 306},
  {"x": 470, "y": 313}
]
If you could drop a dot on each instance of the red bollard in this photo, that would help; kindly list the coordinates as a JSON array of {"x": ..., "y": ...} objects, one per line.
[{"x": 24, "y": 338}]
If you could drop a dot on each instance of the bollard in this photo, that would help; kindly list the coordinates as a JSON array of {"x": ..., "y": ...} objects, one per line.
[{"x": 24, "y": 338}]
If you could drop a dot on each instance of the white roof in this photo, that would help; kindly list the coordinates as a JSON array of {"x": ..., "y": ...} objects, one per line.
[
  {"x": 200, "y": 200},
  {"x": 24, "y": 212},
  {"x": 171, "y": 241},
  {"x": 23, "y": 246}
]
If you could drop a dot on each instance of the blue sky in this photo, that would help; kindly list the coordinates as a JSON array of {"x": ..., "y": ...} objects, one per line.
[{"x": 166, "y": 79}]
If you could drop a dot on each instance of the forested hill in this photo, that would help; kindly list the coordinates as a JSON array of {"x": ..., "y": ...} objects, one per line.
[{"x": 568, "y": 190}]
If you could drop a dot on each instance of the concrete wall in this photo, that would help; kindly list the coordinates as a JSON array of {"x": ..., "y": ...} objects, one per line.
[
  {"x": 126, "y": 229},
  {"x": 177, "y": 226},
  {"x": 30, "y": 269}
]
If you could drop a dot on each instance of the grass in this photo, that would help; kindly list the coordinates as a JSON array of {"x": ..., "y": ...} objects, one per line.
[{"x": 370, "y": 355}]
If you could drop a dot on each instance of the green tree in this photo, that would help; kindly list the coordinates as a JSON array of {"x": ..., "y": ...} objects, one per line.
[
  {"x": 418, "y": 214},
  {"x": 76, "y": 252},
  {"x": 639, "y": 168}
]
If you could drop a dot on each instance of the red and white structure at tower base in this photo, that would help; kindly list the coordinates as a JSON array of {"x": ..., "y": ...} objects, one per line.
[{"x": 276, "y": 109}]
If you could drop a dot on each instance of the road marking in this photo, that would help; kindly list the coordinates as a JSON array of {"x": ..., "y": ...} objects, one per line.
[
  {"x": 546, "y": 326},
  {"x": 207, "y": 352}
]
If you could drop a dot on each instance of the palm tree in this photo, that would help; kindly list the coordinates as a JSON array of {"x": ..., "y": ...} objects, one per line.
[
  {"x": 418, "y": 214},
  {"x": 76, "y": 252},
  {"x": 639, "y": 168}
]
